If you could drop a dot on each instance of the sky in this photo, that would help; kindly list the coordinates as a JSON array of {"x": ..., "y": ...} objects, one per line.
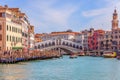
[{"x": 60, "y": 15}]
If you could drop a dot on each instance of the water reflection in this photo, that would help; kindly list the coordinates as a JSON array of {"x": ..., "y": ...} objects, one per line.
[{"x": 12, "y": 72}]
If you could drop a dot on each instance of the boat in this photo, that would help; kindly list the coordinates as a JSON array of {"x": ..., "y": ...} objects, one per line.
[
  {"x": 73, "y": 56},
  {"x": 118, "y": 57},
  {"x": 94, "y": 55},
  {"x": 109, "y": 54},
  {"x": 81, "y": 54}
]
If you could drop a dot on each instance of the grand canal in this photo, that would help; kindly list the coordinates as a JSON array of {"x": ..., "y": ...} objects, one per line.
[{"x": 81, "y": 68}]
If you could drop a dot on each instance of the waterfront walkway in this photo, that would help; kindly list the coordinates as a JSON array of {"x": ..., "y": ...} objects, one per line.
[{"x": 17, "y": 56}]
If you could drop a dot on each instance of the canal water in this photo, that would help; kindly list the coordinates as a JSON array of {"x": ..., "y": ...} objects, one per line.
[{"x": 81, "y": 68}]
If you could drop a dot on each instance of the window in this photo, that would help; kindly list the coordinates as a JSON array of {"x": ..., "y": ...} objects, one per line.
[
  {"x": 10, "y": 38},
  {"x": 7, "y": 27},
  {"x": 10, "y": 28},
  {"x": 116, "y": 37},
  {"x": 16, "y": 39},
  {"x": 0, "y": 27},
  {"x": 114, "y": 42},
  {"x": 7, "y": 38},
  {"x": 20, "y": 39},
  {"x": 3, "y": 14},
  {"x": 0, "y": 37},
  {"x": 106, "y": 36},
  {"x": 22, "y": 34},
  {"x": 115, "y": 32},
  {"x": 0, "y": 14},
  {"x": 13, "y": 29},
  {"x": 111, "y": 36},
  {"x": 16, "y": 30}
]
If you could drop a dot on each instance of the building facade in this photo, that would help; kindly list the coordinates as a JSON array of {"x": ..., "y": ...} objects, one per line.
[
  {"x": 13, "y": 29},
  {"x": 93, "y": 39},
  {"x": 84, "y": 39},
  {"x": 115, "y": 32},
  {"x": 31, "y": 37},
  {"x": 72, "y": 36},
  {"x": 105, "y": 41}
]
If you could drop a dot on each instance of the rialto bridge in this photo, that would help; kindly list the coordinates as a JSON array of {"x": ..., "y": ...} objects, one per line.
[{"x": 66, "y": 45}]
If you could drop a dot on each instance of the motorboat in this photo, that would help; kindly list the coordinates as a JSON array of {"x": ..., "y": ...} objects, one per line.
[
  {"x": 109, "y": 54},
  {"x": 81, "y": 54},
  {"x": 73, "y": 56}
]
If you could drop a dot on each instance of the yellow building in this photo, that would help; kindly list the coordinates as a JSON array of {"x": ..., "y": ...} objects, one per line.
[{"x": 12, "y": 24}]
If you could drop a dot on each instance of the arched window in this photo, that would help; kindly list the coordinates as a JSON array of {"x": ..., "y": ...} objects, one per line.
[
  {"x": 7, "y": 38},
  {"x": 0, "y": 37},
  {"x": 7, "y": 27},
  {"x": 46, "y": 45},
  {"x": 80, "y": 47},
  {"x": 77, "y": 47},
  {"x": 0, "y": 27},
  {"x": 42, "y": 46},
  {"x": 67, "y": 44},
  {"x": 49, "y": 43},
  {"x": 73, "y": 45},
  {"x": 63, "y": 43},
  {"x": 53, "y": 43},
  {"x": 70, "y": 45},
  {"x": 35, "y": 47},
  {"x": 38, "y": 46}
]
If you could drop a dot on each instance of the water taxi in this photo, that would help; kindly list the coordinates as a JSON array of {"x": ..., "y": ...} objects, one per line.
[
  {"x": 81, "y": 54},
  {"x": 109, "y": 54},
  {"x": 73, "y": 56},
  {"x": 118, "y": 56}
]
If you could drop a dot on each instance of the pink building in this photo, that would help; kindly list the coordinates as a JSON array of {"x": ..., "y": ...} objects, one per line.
[{"x": 93, "y": 39}]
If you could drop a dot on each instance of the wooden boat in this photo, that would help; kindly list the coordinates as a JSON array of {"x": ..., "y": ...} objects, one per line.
[
  {"x": 73, "y": 56},
  {"x": 81, "y": 54},
  {"x": 118, "y": 57},
  {"x": 109, "y": 54},
  {"x": 94, "y": 55}
]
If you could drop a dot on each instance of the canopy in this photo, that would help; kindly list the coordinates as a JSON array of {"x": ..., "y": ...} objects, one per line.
[{"x": 16, "y": 48}]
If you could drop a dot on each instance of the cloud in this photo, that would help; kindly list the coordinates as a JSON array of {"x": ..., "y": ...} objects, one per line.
[
  {"x": 56, "y": 15},
  {"x": 48, "y": 14},
  {"x": 101, "y": 18},
  {"x": 92, "y": 13}
]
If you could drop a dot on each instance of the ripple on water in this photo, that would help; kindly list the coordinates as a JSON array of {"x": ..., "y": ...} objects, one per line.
[{"x": 81, "y": 68}]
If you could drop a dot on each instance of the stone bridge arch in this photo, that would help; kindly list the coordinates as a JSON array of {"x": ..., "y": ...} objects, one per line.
[{"x": 66, "y": 45}]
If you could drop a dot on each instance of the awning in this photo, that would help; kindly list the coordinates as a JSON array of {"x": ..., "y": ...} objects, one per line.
[
  {"x": 31, "y": 48},
  {"x": 15, "y": 48}
]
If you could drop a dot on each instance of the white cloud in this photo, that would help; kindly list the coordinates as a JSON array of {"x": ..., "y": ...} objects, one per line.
[
  {"x": 101, "y": 18},
  {"x": 47, "y": 14},
  {"x": 92, "y": 13}
]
